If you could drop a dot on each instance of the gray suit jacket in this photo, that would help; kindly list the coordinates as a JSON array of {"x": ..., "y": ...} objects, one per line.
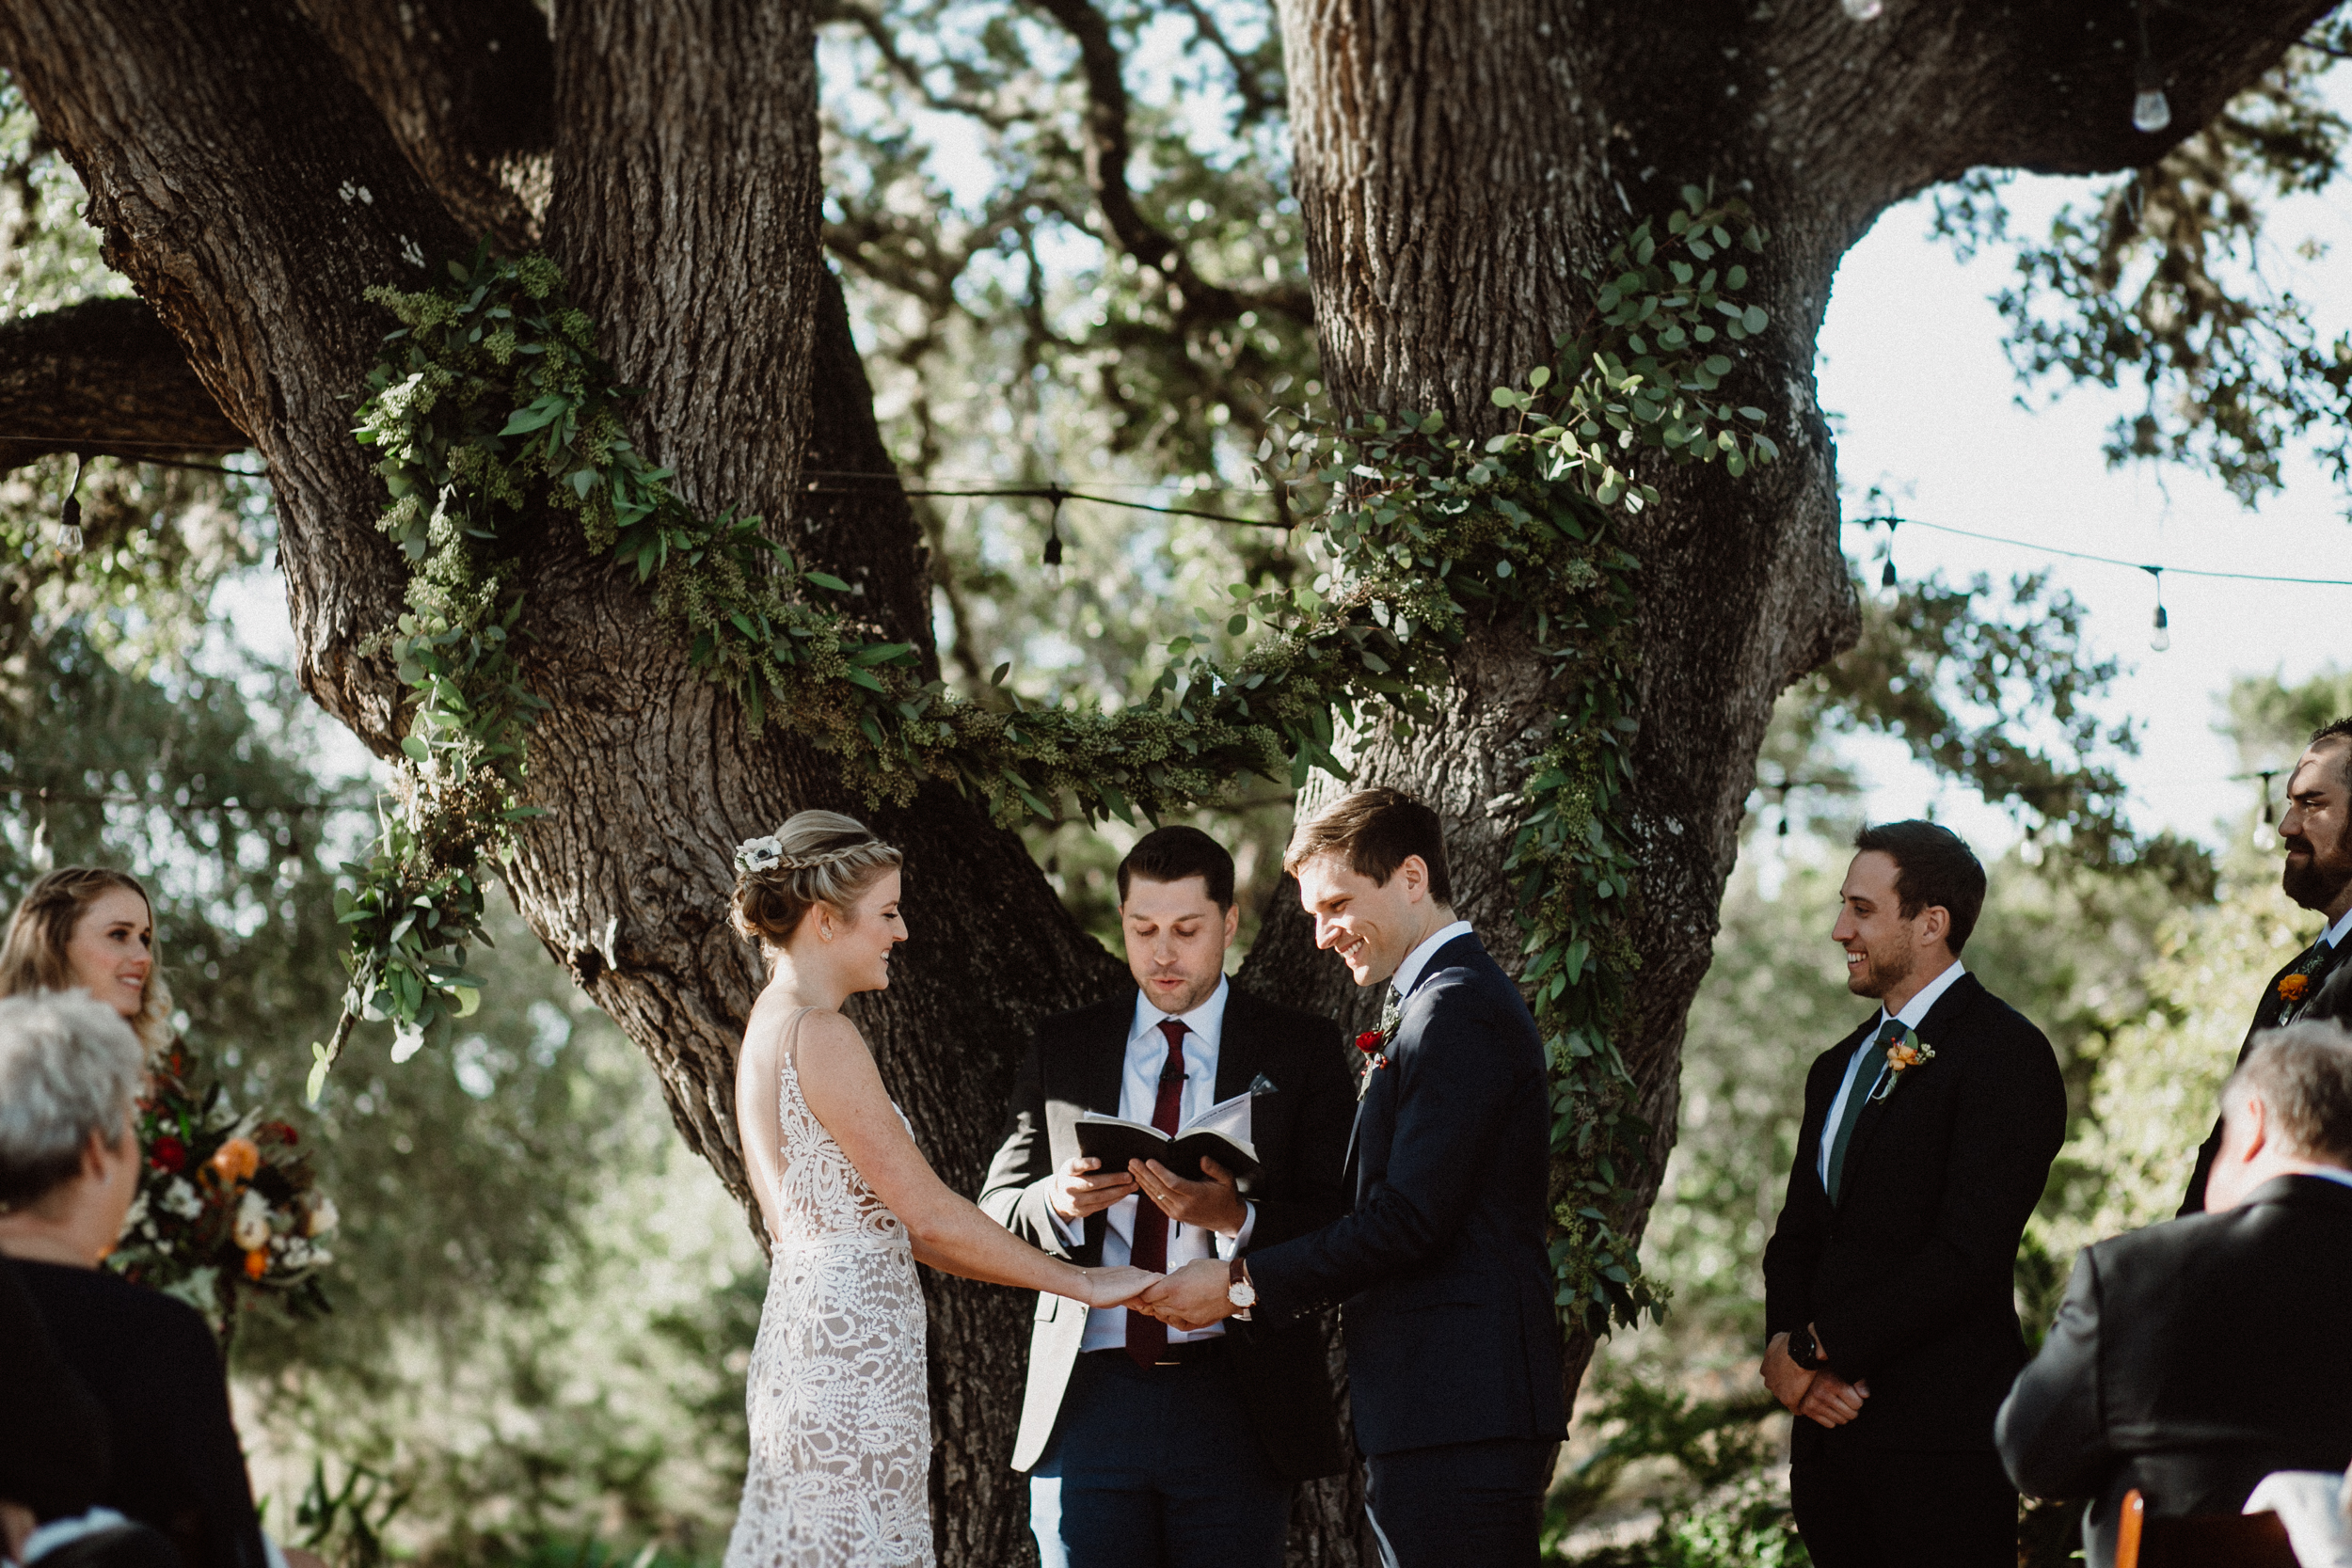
[{"x": 1300, "y": 1130}]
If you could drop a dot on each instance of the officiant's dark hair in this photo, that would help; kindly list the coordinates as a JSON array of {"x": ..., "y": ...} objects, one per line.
[
  {"x": 2340, "y": 729},
  {"x": 1173, "y": 853},
  {"x": 1375, "y": 831},
  {"x": 1934, "y": 865}
]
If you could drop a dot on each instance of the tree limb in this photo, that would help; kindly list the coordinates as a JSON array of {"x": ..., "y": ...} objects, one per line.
[
  {"x": 104, "y": 377},
  {"x": 1108, "y": 149},
  {"x": 468, "y": 89}
]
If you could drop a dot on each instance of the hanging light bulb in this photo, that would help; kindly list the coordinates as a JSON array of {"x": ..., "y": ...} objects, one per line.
[
  {"x": 1866, "y": 10},
  {"x": 2151, "y": 110},
  {"x": 1889, "y": 585},
  {"x": 70, "y": 514},
  {"x": 1053, "y": 537},
  {"x": 2161, "y": 638},
  {"x": 1886, "y": 575}
]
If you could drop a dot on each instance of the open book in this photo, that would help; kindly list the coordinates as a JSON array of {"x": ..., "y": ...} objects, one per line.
[{"x": 1221, "y": 1132}]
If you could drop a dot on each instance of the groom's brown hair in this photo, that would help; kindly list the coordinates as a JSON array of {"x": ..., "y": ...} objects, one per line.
[{"x": 1375, "y": 831}]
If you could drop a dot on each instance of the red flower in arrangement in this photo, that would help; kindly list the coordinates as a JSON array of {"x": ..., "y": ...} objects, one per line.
[
  {"x": 168, "y": 1153},
  {"x": 1369, "y": 1042},
  {"x": 280, "y": 1130}
]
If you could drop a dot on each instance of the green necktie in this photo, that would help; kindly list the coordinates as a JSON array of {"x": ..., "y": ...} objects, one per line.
[{"x": 1856, "y": 1097}]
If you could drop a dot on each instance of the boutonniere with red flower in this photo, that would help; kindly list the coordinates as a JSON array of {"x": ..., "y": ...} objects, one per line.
[
  {"x": 1905, "y": 1055},
  {"x": 1370, "y": 1042}
]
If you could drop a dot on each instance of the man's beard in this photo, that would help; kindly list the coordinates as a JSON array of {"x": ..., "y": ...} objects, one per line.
[
  {"x": 2316, "y": 881},
  {"x": 1882, "y": 970}
]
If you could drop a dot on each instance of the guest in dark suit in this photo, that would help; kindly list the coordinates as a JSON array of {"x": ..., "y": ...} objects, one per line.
[
  {"x": 70, "y": 1071},
  {"x": 1927, "y": 1138},
  {"x": 1148, "y": 1447},
  {"x": 1453, "y": 1362},
  {"x": 2316, "y": 835},
  {"x": 2192, "y": 1359}
]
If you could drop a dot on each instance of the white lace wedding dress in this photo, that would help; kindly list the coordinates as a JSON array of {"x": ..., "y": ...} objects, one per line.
[{"x": 840, "y": 1410}]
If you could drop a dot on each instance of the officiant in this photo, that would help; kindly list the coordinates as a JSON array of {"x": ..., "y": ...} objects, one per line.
[{"x": 1148, "y": 1447}]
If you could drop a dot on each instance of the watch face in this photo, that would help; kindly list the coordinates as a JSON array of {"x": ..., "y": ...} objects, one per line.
[{"x": 1241, "y": 1294}]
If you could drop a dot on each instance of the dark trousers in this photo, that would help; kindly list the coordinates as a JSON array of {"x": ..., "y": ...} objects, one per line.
[
  {"x": 1888, "y": 1510},
  {"x": 1156, "y": 1468},
  {"x": 1464, "y": 1505}
]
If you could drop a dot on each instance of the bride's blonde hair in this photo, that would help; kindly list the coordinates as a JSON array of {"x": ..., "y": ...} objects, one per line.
[{"x": 816, "y": 857}]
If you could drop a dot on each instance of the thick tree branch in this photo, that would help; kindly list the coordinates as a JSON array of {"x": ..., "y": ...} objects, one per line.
[
  {"x": 1108, "y": 149},
  {"x": 107, "y": 379},
  {"x": 251, "y": 193},
  {"x": 468, "y": 89}
]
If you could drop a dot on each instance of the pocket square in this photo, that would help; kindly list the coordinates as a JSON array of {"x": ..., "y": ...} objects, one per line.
[{"x": 1261, "y": 1084}]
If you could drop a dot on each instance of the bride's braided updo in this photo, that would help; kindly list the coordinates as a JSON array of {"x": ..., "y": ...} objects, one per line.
[{"x": 816, "y": 857}]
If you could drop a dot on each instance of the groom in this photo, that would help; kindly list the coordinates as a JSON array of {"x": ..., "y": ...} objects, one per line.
[
  {"x": 1927, "y": 1138},
  {"x": 1452, "y": 1345}
]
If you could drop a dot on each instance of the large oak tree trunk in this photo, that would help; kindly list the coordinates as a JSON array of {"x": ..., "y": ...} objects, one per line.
[{"x": 253, "y": 169}]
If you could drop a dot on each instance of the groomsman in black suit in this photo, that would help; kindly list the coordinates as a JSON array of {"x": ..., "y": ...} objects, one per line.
[
  {"x": 2316, "y": 835},
  {"x": 1148, "y": 1447},
  {"x": 1927, "y": 1138},
  {"x": 1454, "y": 1363},
  {"x": 2129, "y": 1390}
]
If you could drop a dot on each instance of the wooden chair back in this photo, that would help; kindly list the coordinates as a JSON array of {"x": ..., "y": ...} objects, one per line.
[{"x": 2199, "y": 1540}]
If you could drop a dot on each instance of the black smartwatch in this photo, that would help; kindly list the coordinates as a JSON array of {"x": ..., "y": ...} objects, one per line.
[{"x": 1802, "y": 1349}]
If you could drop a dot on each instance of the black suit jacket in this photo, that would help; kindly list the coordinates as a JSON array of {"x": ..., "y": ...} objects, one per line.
[
  {"x": 2331, "y": 999},
  {"x": 1909, "y": 1280},
  {"x": 1299, "y": 1132},
  {"x": 54, "y": 1454},
  {"x": 2193, "y": 1358},
  {"x": 1452, "y": 1335}
]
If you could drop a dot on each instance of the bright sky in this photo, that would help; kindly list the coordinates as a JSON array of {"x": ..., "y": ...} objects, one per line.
[{"x": 1911, "y": 359}]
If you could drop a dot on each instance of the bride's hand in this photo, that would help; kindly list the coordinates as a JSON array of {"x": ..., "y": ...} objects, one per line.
[{"x": 1111, "y": 1287}]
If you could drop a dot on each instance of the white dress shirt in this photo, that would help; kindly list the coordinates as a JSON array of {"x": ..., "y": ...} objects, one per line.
[
  {"x": 1914, "y": 1010},
  {"x": 1407, "y": 973},
  {"x": 2334, "y": 934},
  {"x": 1138, "y": 1092}
]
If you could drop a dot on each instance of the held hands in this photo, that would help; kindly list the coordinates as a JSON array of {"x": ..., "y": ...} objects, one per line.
[
  {"x": 1214, "y": 1204},
  {"x": 1074, "y": 1190},
  {"x": 1192, "y": 1297},
  {"x": 1114, "y": 1287}
]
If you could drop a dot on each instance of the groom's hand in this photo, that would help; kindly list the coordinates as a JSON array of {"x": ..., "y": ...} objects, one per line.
[
  {"x": 1788, "y": 1382},
  {"x": 1077, "y": 1189},
  {"x": 1213, "y": 1205},
  {"x": 1832, "y": 1401},
  {"x": 1192, "y": 1297}
]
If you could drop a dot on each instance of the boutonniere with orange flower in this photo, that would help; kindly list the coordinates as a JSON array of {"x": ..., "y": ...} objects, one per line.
[
  {"x": 2292, "y": 987},
  {"x": 1370, "y": 1042},
  {"x": 1905, "y": 1055}
]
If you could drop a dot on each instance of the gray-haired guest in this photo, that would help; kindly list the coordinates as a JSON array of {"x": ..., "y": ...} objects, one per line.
[
  {"x": 2189, "y": 1360},
  {"x": 71, "y": 1071}
]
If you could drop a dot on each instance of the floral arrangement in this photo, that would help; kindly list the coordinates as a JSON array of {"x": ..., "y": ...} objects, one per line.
[{"x": 228, "y": 1208}]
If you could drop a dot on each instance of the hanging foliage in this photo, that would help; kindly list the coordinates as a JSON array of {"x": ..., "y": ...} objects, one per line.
[{"x": 492, "y": 402}]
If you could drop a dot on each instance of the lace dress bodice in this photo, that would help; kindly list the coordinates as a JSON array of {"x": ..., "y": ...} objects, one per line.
[{"x": 840, "y": 1413}]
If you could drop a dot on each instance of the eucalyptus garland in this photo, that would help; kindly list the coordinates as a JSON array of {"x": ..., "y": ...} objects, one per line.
[{"x": 492, "y": 403}]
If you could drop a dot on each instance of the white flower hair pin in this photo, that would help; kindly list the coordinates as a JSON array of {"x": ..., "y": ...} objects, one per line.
[{"x": 756, "y": 855}]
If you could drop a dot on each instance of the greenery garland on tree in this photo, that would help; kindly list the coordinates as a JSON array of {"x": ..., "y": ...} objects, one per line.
[{"x": 492, "y": 399}]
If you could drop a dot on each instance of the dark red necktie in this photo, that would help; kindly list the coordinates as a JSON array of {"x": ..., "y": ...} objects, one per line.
[{"x": 1146, "y": 1337}]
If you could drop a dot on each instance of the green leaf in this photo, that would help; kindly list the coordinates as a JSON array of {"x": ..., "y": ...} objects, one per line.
[{"x": 826, "y": 580}]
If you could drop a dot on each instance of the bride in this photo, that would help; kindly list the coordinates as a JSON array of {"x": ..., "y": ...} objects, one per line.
[{"x": 840, "y": 1418}]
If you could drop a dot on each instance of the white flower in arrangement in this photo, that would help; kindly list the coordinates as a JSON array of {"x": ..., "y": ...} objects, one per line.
[
  {"x": 252, "y": 1221},
  {"x": 756, "y": 855},
  {"x": 180, "y": 1198},
  {"x": 293, "y": 1252},
  {"x": 321, "y": 1218}
]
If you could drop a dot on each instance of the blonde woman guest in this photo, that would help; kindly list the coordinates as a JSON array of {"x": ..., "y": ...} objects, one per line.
[
  {"x": 840, "y": 1418},
  {"x": 84, "y": 927}
]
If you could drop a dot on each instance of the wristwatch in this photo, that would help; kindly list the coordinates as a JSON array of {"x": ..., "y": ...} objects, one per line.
[
  {"x": 1801, "y": 1348},
  {"x": 1243, "y": 1294}
]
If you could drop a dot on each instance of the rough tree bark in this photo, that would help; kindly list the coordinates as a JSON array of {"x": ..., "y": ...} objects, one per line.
[{"x": 255, "y": 164}]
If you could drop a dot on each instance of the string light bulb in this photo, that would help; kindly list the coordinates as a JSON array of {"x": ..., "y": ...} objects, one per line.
[
  {"x": 2161, "y": 638},
  {"x": 1053, "y": 537},
  {"x": 1889, "y": 584},
  {"x": 70, "y": 514},
  {"x": 2151, "y": 110},
  {"x": 1866, "y": 10}
]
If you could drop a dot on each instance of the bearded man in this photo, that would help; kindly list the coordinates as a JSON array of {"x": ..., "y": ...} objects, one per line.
[
  {"x": 1927, "y": 1138},
  {"x": 2316, "y": 835}
]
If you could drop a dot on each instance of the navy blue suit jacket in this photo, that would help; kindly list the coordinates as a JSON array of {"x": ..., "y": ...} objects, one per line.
[{"x": 1442, "y": 1267}]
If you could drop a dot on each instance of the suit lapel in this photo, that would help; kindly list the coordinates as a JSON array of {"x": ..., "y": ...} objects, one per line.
[
  {"x": 1936, "y": 1029},
  {"x": 1103, "y": 1073},
  {"x": 1241, "y": 1048}
]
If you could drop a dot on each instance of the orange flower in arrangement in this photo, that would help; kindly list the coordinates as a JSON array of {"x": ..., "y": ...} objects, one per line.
[
  {"x": 2292, "y": 987},
  {"x": 257, "y": 1263},
  {"x": 236, "y": 1160}
]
